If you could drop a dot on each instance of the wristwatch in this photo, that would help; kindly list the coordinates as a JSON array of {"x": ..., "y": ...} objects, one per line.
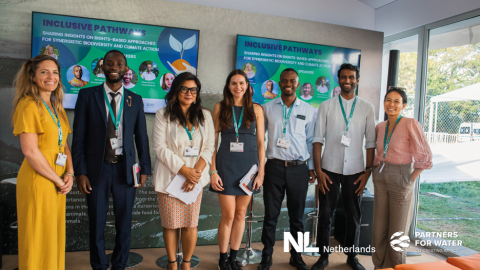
[{"x": 369, "y": 168}]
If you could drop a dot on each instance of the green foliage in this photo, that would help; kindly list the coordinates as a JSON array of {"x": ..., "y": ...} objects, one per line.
[{"x": 448, "y": 69}]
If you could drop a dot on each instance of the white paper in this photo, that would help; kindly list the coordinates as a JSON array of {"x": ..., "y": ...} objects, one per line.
[
  {"x": 381, "y": 168},
  {"x": 247, "y": 178},
  {"x": 136, "y": 174},
  {"x": 174, "y": 189},
  {"x": 300, "y": 126}
]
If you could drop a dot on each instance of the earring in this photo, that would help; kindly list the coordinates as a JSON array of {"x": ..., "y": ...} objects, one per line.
[{"x": 195, "y": 101}]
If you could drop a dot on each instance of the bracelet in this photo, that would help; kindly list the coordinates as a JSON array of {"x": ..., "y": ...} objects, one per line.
[
  {"x": 216, "y": 171},
  {"x": 71, "y": 175}
]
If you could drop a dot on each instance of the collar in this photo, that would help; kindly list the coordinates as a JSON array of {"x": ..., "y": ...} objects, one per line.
[
  {"x": 108, "y": 90},
  {"x": 295, "y": 103},
  {"x": 347, "y": 100}
]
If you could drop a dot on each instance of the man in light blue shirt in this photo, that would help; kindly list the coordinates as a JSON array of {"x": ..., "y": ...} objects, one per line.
[{"x": 290, "y": 123}]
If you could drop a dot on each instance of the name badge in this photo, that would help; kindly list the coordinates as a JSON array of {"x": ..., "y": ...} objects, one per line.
[
  {"x": 282, "y": 143},
  {"x": 61, "y": 159},
  {"x": 191, "y": 151},
  {"x": 115, "y": 143},
  {"x": 236, "y": 147},
  {"x": 345, "y": 141}
]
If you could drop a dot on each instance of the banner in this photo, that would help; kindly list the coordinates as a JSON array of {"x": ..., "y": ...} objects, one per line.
[
  {"x": 263, "y": 60},
  {"x": 154, "y": 54}
]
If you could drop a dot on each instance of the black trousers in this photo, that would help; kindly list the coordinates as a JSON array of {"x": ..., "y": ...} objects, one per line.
[
  {"x": 280, "y": 180},
  {"x": 328, "y": 204},
  {"x": 112, "y": 181}
]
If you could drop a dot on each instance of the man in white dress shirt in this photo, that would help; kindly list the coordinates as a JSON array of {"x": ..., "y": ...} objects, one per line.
[
  {"x": 342, "y": 124},
  {"x": 322, "y": 88},
  {"x": 149, "y": 75}
]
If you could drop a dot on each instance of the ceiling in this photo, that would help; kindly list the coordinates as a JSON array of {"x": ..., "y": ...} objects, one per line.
[{"x": 377, "y": 3}]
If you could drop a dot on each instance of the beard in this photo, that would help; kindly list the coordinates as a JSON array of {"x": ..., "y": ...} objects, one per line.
[
  {"x": 119, "y": 79},
  {"x": 288, "y": 94}
]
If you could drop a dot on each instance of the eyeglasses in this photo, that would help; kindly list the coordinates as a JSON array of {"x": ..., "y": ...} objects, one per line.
[{"x": 193, "y": 90}]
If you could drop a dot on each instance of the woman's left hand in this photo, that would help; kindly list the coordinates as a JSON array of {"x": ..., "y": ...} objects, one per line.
[
  {"x": 68, "y": 180},
  {"x": 258, "y": 182}
]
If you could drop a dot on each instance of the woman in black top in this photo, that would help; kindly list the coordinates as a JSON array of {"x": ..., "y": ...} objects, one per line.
[{"x": 240, "y": 149}]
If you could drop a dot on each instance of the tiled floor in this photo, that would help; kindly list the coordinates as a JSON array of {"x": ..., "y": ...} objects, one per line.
[{"x": 209, "y": 259}]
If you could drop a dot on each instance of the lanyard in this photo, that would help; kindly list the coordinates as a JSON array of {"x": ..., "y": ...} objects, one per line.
[
  {"x": 387, "y": 141},
  {"x": 116, "y": 121},
  {"x": 190, "y": 133},
  {"x": 286, "y": 117},
  {"x": 349, "y": 120},
  {"x": 57, "y": 122},
  {"x": 235, "y": 120}
]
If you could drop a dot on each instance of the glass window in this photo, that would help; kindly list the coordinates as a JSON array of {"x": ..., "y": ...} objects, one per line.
[
  {"x": 449, "y": 196},
  {"x": 407, "y": 71}
]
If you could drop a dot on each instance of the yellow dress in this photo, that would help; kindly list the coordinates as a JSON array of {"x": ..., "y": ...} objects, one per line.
[{"x": 40, "y": 210}]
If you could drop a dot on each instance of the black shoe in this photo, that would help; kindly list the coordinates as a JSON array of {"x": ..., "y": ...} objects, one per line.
[
  {"x": 355, "y": 264},
  {"x": 265, "y": 263},
  {"x": 320, "y": 264},
  {"x": 297, "y": 261},
  {"x": 224, "y": 265},
  {"x": 234, "y": 265}
]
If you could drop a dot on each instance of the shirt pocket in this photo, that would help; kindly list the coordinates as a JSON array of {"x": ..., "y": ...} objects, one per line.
[{"x": 300, "y": 126}]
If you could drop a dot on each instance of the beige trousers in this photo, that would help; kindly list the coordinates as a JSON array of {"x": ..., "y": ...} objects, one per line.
[{"x": 393, "y": 210}]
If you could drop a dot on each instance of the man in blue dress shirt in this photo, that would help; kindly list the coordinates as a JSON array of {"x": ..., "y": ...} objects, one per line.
[{"x": 290, "y": 124}]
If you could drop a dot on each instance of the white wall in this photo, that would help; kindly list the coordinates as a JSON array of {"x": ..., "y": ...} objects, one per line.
[
  {"x": 351, "y": 13},
  {"x": 406, "y": 14}
]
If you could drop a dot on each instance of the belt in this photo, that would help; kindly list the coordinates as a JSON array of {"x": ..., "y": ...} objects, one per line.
[
  {"x": 117, "y": 159},
  {"x": 287, "y": 163}
]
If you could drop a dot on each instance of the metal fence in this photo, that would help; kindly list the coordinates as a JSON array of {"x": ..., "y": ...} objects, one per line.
[
  {"x": 434, "y": 138},
  {"x": 452, "y": 121}
]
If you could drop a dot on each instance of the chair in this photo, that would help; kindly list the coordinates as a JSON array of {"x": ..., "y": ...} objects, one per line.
[
  {"x": 134, "y": 259},
  {"x": 465, "y": 263},
  {"x": 248, "y": 255},
  {"x": 314, "y": 216},
  {"x": 162, "y": 262},
  {"x": 13, "y": 181}
]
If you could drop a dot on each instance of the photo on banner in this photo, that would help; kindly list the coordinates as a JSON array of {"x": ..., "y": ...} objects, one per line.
[
  {"x": 80, "y": 44},
  {"x": 263, "y": 59}
]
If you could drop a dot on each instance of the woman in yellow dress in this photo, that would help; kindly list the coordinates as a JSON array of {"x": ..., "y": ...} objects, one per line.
[{"x": 46, "y": 174}]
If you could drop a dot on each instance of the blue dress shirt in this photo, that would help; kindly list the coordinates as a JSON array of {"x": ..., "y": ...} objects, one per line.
[{"x": 301, "y": 137}]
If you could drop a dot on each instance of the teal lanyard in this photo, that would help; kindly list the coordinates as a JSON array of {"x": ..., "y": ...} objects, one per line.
[
  {"x": 235, "y": 120},
  {"x": 387, "y": 141},
  {"x": 116, "y": 121},
  {"x": 349, "y": 120},
  {"x": 57, "y": 122},
  {"x": 286, "y": 117},
  {"x": 190, "y": 133}
]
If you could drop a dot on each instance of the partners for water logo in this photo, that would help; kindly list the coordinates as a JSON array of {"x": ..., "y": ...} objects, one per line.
[{"x": 399, "y": 242}]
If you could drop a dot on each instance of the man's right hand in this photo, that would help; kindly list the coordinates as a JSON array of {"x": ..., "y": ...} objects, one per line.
[
  {"x": 83, "y": 184},
  {"x": 322, "y": 181}
]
